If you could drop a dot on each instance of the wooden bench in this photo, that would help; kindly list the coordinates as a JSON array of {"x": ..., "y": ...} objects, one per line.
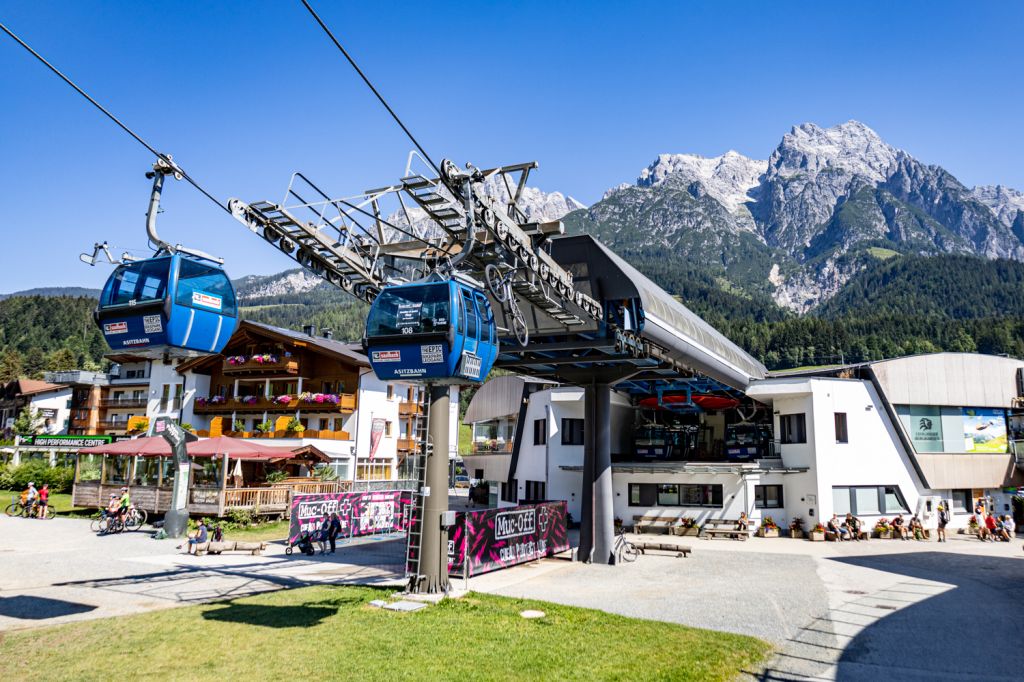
[
  {"x": 713, "y": 528},
  {"x": 662, "y": 523},
  {"x": 672, "y": 548},
  {"x": 254, "y": 548}
]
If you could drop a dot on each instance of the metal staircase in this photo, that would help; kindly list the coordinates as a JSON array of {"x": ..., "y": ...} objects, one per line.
[
  {"x": 424, "y": 447},
  {"x": 431, "y": 196}
]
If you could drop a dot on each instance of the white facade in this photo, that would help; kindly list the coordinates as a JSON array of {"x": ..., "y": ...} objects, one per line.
[{"x": 54, "y": 408}]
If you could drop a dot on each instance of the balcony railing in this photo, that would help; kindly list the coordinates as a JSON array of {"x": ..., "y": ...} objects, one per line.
[
  {"x": 124, "y": 402},
  {"x": 409, "y": 409},
  {"x": 344, "y": 402},
  {"x": 492, "y": 448},
  {"x": 407, "y": 444},
  {"x": 261, "y": 363},
  {"x": 113, "y": 424}
]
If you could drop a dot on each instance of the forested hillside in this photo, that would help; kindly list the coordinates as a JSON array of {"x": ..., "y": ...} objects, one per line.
[
  {"x": 899, "y": 306},
  {"x": 40, "y": 333}
]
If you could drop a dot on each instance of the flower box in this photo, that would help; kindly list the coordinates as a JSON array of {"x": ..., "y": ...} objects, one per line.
[
  {"x": 796, "y": 534},
  {"x": 686, "y": 530},
  {"x": 816, "y": 536},
  {"x": 883, "y": 534},
  {"x": 767, "y": 532}
]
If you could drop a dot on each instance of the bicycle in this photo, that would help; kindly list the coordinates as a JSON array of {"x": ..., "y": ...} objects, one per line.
[
  {"x": 135, "y": 519},
  {"x": 624, "y": 549},
  {"x": 16, "y": 508},
  {"x": 500, "y": 286}
]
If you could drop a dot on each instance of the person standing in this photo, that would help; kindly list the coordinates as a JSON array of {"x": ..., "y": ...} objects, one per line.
[
  {"x": 334, "y": 530},
  {"x": 44, "y": 500},
  {"x": 323, "y": 535},
  {"x": 943, "y": 522}
]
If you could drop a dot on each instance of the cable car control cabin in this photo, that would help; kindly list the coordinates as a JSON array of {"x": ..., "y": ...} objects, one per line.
[
  {"x": 172, "y": 305},
  {"x": 438, "y": 332}
]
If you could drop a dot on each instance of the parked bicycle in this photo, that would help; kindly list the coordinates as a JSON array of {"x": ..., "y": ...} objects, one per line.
[
  {"x": 624, "y": 549},
  {"x": 16, "y": 508},
  {"x": 500, "y": 286}
]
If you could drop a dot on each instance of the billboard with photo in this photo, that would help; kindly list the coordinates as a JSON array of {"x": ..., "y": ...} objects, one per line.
[{"x": 984, "y": 429}]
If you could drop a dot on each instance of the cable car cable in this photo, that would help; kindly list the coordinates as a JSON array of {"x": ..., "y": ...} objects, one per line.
[
  {"x": 113, "y": 118},
  {"x": 370, "y": 85}
]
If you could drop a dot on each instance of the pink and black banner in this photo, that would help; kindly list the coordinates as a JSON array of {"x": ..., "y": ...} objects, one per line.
[
  {"x": 493, "y": 539},
  {"x": 366, "y": 513}
]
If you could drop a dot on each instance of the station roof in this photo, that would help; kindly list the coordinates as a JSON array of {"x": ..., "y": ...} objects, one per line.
[{"x": 684, "y": 353}]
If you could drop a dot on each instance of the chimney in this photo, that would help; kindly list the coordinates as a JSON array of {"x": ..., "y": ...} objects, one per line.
[
  {"x": 308, "y": 329},
  {"x": 327, "y": 333}
]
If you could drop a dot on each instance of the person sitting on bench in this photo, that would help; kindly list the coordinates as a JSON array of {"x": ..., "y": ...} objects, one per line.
[
  {"x": 200, "y": 538},
  {"x": 743, "y": 523},
  {"x": 899, "y": 526},
  {"x": 852, "y": 524},
  {"x": 834, "y": 528}
]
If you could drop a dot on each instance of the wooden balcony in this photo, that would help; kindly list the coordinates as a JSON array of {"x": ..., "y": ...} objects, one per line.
[
  {"x": 346, "y": 405},
  {"x": 492, "y": 448},
  {"x": 407, "y": 444},
  {"x": 231, "y": 366},
  {"x": 409, "y": 409}
]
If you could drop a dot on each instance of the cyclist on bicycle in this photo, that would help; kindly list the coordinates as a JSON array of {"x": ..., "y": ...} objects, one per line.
[
  {"x": 113, "y": 505},
  {"x": 123, "y": 504},
  {"x": 29, "y": 498}
]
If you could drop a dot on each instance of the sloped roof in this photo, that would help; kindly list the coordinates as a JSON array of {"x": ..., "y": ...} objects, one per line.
[
  {"x": 349, "y": 352},
  {"x": 33, "y": 386},
  {"x": 670, "y": 324}
]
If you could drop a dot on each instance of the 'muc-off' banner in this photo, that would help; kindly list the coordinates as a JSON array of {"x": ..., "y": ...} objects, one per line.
[
  {"x": 492, "y": 539},
  {"x": 365, "y": 513}
]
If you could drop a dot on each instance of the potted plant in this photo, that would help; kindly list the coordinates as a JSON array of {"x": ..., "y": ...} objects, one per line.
[
  {"x": 238, "y": 426},
  {"x": 264, "y": 428},
  {"x": 972, "y": 525},
  {"x": 768, "y": 529},
  {"x": 796, "y": 527},
  {"x": 294, "y": 427},
  {"x": 687, "y": 526},
  {"x": 276, "y": 477},
  {"x": 817, "y": 533},
  {"x": 883, "y": 529},
  {"x": 618, "y": 525},
  {"x": 282, "y": 399}
]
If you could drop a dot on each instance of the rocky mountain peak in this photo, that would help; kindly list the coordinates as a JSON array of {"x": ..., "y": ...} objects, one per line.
[
  {"x": 851, "y": 148},
  {"x": 1005, "y": 202},
  {"x": 728, "y": 178}
]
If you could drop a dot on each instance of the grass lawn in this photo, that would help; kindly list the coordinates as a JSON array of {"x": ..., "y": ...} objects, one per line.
[
  {"x": 62, "y": 502},
  {"x": 276, "y": 530},
  {"x": 330, "y": 632}
]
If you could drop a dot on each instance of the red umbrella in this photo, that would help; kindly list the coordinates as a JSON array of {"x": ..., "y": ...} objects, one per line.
[
  {"x": 237, "y": 448},
  {"x": 154, "y": 446}
]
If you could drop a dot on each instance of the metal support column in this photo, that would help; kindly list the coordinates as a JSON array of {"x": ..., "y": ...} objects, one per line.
[
  {"x": 597, "y": 525},
  {"x": 432, "y": 576}
]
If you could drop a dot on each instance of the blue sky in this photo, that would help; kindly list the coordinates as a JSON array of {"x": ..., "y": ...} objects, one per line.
[{"x": 244, "y": 93}]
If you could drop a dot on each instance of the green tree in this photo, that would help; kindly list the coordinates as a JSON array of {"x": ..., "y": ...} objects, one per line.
[
  {"x": 60, "y": 360},
  {"x": 28, "y": 423},
  {"x": 11, "y": 366},
  {"x": 35, "y": 363}
]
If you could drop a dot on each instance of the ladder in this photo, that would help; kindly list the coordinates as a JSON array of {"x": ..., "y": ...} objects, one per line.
[
  {"x": 348, "y": 261},
  {"x": 424, "y": 447},
  {"x": 432, "y": 197},
  {"x": 526, "y": 289}
]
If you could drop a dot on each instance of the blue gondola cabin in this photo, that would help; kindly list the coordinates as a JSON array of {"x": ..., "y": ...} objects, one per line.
[
  {"x": 172, "y": 305},
  {"x": 436, "y": 332}
]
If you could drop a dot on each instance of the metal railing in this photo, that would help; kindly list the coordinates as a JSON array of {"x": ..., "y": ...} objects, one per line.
[{"x": 124, "y": 402}]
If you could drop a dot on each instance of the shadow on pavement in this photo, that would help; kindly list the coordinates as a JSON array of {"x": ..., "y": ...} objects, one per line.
[
  {"x": 40, "y": 608},
  {"x": 974, "y": 629}
]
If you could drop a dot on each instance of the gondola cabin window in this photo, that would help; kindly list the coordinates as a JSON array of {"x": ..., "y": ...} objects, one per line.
[
  {"x": 410, "y": 310},
  {"x": 204, "y": 287}
]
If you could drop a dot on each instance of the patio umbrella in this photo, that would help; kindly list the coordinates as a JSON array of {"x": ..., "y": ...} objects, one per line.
[
  {"x": 238, "y": 448},
  {"x": 154, "y": 446}
]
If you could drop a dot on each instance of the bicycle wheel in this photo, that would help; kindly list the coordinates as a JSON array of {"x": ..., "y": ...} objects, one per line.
[
  {"x": 519, "y": 328},
  {"x": 629, "y": 551},
  {"x": 495, "y": 282},
  {"x": 14, "y": 509},
  {"x": 51, "y": 513},
  {"x": 98, "y": 525}
]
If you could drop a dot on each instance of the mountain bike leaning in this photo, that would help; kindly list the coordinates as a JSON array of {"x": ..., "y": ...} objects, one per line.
[{"x": 500, "y": 286}]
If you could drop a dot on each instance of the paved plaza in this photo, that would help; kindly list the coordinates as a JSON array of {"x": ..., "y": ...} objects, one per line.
[{"x": 849, "y": 611}]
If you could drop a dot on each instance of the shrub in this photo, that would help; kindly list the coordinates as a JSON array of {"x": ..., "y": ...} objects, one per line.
[
  {"x": 276, "y": 476},
  {"x": 60, "y": 479},
  {"x": 241, "y": 518}
]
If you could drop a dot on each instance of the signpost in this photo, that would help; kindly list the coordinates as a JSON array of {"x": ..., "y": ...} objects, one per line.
[{"x": 176, "y": 518}]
